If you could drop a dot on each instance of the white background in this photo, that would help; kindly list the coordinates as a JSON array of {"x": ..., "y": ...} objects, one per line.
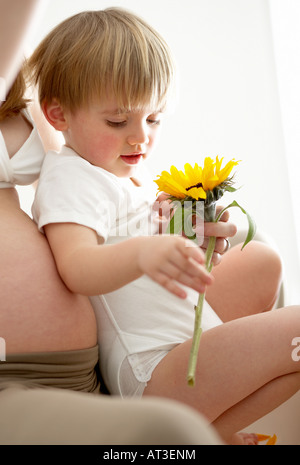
[{"x": 238, "y": 63}]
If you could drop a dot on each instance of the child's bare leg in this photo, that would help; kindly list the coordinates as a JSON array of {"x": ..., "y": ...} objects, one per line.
[
  {"x": 245, "y": 370},
  {"x": 246, "y": 282},
  {"x": 256, "y": 405}
]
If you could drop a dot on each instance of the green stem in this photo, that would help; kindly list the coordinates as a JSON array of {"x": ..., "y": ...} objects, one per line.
[
  {"x": 209, "y": 253},
  {"x": 198, "y": 318}
]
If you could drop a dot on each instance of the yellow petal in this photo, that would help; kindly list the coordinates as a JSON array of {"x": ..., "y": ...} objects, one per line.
[
  {"x": 194, "y": 175},
  {"x": 197, "y": 193},
  {"x": 166, "y": 183},
  {"x": 210, "y": 182},
  {"x": 194, "y": 181},
  {"x": 209, "y": 179},
  {"x": 272, "y": 440},
  {"x": 218, "y": 163},
  {"x": 177, "y": 175},
  {"x": 262, "y": 437},
  {"x": 224, "y": 172}
]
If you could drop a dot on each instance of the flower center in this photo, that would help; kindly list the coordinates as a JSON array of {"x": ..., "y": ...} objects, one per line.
[{"x": 195, "y": 185}]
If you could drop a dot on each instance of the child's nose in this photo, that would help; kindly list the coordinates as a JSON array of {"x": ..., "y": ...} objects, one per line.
[{"x": 138, "y": 136}]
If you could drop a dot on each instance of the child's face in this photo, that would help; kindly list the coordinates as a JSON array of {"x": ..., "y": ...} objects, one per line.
[{"x": 113, "y": 140}]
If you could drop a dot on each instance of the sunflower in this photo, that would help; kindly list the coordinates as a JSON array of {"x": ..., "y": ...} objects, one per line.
[
  {"x": 180, "y": 185},
  {"x": 196, "y": 182},
  {"x": 206, "y": 184}
]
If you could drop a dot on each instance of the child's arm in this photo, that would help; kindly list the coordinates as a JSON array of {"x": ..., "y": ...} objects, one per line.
[{"x": 90, "y": 268}]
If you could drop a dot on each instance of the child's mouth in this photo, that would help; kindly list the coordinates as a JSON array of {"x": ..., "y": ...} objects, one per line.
[{"x": 132, "y": 159}]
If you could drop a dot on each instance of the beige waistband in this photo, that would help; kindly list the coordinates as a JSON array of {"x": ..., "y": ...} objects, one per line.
[{"x": 76, "y": 370}]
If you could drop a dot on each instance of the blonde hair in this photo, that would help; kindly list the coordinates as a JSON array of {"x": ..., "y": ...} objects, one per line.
[
  {"x": 15, "y": 100},
  {"x": 96, "y": 52}
]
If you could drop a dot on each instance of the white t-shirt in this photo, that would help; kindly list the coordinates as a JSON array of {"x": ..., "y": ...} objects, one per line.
[{"x": 141, "y": 317}]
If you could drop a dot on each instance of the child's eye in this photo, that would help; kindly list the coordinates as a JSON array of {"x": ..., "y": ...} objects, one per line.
[
  {"x": 153, "y": 121},
  {"x": 116, "y": 124}
]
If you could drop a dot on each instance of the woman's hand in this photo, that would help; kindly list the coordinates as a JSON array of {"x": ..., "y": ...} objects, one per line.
[
  {"x": 162, "y": 207},
  {"x": 221, "y": 230}
]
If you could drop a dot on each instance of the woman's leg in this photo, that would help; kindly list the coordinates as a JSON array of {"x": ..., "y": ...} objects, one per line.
[
  {"x": 246, "y": 282},
  {"x": 245, "y": 369}
]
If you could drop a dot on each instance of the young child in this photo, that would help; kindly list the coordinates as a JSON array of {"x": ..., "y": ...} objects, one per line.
[{"x": 104, "y": 79}]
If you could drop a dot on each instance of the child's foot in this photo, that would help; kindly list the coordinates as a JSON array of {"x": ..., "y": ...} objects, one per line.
[{"x": 244, "y": 439}]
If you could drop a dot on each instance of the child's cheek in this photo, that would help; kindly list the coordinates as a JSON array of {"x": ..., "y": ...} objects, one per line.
[{"x": 107, "y": 148}]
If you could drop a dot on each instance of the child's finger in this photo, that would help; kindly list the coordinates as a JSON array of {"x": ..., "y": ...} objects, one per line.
[
  {"x": 189, "y": 249},
  {"x": 180, "y": 276},
  {"x": 170, "y": 285},
  {"x": 191, "y": 263},
  {"x": 186, "y": 263}
]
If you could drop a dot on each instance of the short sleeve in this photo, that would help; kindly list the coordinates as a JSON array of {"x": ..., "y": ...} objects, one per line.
[{"x": 71, "y": 190}]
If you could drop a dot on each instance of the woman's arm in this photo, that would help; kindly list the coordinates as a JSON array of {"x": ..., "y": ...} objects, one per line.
[
  {"x": 15, "y": 23},
  {"x": 90, "y": 268}
]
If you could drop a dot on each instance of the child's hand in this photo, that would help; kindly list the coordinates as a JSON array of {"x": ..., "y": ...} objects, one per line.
[{"x": 170, "y": 260}]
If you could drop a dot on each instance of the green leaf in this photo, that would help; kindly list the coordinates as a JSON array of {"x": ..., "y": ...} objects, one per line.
[
  {"x": 251, "y": 222},
  {"x": 230, "y": 189}
]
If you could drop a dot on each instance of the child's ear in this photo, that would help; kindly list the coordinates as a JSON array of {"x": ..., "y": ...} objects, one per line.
[{"x": 54, "y": 114}]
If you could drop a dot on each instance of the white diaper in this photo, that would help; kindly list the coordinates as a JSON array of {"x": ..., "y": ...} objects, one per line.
[{"x": 128, "y": 360}]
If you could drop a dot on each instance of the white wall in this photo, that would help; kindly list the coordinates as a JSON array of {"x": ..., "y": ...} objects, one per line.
[
  {"x": 285, "y": 19},
  {"x": 228, "y": 101}
]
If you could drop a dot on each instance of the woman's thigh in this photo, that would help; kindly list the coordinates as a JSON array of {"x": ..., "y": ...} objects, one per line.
[
  {"x": 235, "y": 360},
  {"x": 246, "y": 281},
  {"x": 38, "y": 313}
]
